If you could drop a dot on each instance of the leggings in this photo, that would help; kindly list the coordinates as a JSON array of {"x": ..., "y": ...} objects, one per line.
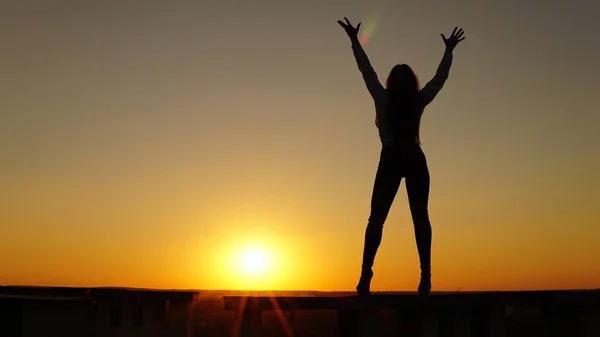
[{"x": 396, "y": 162}]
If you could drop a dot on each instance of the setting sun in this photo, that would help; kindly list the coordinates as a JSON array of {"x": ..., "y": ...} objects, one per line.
[{"x": 254, "y": 260}]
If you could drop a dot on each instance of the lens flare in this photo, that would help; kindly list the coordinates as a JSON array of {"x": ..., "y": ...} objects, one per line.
[{"x": 368, "y": 29}]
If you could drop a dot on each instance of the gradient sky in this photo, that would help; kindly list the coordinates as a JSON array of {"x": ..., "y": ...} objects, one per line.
[{"x": 143, "y": 142}]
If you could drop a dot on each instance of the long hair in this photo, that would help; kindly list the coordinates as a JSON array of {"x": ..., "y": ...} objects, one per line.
[{"x": 404, "y": 112}]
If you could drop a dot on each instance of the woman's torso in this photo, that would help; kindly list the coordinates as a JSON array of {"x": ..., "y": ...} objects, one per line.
[{"x": 397, "y": 127}]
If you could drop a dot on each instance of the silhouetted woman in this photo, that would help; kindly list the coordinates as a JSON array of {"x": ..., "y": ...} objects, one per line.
[{"x": 398, "y": 108}]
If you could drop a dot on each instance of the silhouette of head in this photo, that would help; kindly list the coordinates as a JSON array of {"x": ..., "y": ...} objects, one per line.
[
  {"x": 402, "y": 82},
  {"x": 403, "y": 87}
]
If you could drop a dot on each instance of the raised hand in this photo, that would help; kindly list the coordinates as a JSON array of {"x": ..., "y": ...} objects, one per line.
[
  {"x": 350, "y": 30},
  {"x": 454, "y": 39}
]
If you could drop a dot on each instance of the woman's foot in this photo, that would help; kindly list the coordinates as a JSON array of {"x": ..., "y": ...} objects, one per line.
[
  {"x": 364, "y": 284},
  {"x": 425, "y": 284}
]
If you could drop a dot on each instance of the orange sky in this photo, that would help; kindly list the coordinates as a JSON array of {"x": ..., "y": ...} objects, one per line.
[{"x": 146, "y": 146}]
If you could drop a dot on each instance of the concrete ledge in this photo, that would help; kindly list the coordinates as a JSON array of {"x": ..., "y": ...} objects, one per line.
[
  {"x": 97, "y": 293},
  {"x": 97, "y": 312},
  {"x": 443, "y": 300},
  {"x": 473, "y": 314}
]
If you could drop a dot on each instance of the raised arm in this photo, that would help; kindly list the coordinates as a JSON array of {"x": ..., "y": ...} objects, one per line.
[
  {"x": 362, "y": 60},
  {"x": 433, "y": 87}
]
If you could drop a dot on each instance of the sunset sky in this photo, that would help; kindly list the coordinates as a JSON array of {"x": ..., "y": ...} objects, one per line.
[{"x": 153, "y": 143}]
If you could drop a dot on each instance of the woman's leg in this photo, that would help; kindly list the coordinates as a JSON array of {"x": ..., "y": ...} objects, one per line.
[
  {"x": 385, "y": 188},
  {"x": 417, "y": 187}
]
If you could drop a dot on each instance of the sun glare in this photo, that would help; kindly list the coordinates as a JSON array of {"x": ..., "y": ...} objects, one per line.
[
  {"x": 255, "y": 266},
  {"x": 254, "y": 260},
  {"x": 251, "y": 262}
]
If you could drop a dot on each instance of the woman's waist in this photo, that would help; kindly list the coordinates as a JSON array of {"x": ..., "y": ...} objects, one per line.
[
  {"x": 400, "y": 142},
  {"x": 399, "y": 135}
]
